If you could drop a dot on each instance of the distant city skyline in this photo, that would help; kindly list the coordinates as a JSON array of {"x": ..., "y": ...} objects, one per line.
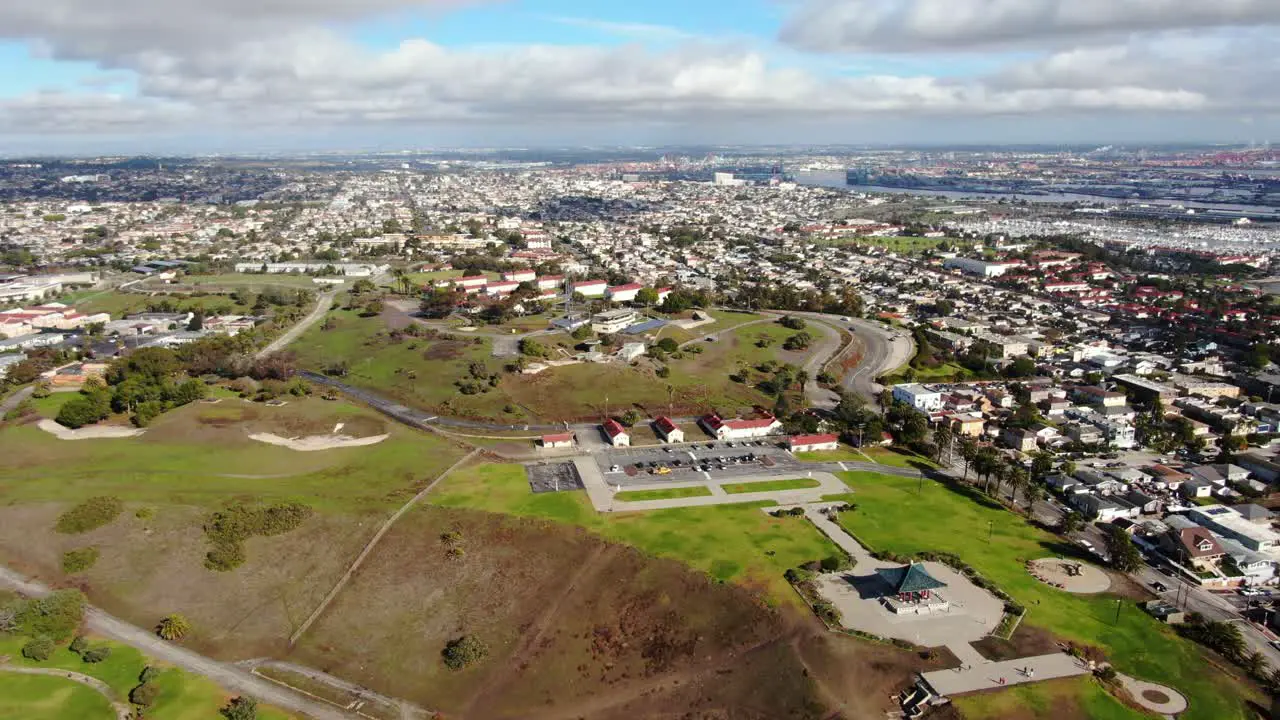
[{"x": 182, "y": 76}]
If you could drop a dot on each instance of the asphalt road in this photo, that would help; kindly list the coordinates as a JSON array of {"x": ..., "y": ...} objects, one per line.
[
  {"x": 234, "y": 679},
  {"x": 883, "y": 350},
  {"x": 323, "y": 303}
]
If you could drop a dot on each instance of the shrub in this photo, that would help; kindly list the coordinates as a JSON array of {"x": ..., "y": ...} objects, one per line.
[
  {"x": 148, "y": 674},
  {"x": 832, "y": 563},
  {"x": 74, "y": 561},
  {"x": 89, "y": 515},
  {"x": 173, "y": 627},
  {"x": 56, "y": 616},
  {"x": 664, "y": 372},
  {"x": 96, "y": 655},
  {"x": 79, "y": 645},
  {"x": 240, "y": 708},
  {"x": 465, "y": 651},
  {"x": 144, "y": 695},
  {"x": 227, "y": 530},
  {"x": 38, "y": 649},
  {"x": 82, "y": 410}
]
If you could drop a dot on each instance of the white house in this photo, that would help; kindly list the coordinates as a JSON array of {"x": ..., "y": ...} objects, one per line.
[
  {"x": 623, "y": 293},
  {"x": 614, "y": 321},
  {"x": 918, "y": 396},
  {"x": 631, "y": 351},
  {"x": 591, "y": 288},
  {"x": 615, "y": 433},
  {"x": 666, "y": 429},
  {"x": 813, "y": 443},
  {"x": 739, "y": 429}
]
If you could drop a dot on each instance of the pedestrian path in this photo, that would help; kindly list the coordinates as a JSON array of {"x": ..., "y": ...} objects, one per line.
[
  {"x": 122, "y": 710},
  {"x": 972, "y": 677}
]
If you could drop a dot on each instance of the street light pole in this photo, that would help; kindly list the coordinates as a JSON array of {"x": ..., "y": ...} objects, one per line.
[{"x": 990, "y": 530}]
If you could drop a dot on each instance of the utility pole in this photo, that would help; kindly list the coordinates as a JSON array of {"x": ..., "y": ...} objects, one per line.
[{"x": 1119, "y": 602}]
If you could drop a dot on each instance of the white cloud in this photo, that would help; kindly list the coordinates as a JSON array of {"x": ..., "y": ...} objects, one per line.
[
  {"x": 946, "y": 25},
  {"x": 636, "y": 31}
]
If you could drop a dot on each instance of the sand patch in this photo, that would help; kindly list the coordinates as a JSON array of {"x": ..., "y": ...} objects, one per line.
[
  {"x": 1069, "y": 575},
  {"x": 311, "y": 443},
  {"x": 93, "y": 432}
]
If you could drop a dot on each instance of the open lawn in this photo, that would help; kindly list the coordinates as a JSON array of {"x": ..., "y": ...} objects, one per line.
[
  {"x": 888, "y": 519},
  {"x": 252, "y": 281},
  {"x": 191, "y": 461},
  {"x": 182, "y": 696},
  {"x": 1080, "y": 698},
  {"x": 667, "y": 494},
  {"x": 415, "y": 371},
  {"x": 770, "y": 486},
  {"x": 723, "y": 319},
  {"x": 201, "y": 455},
  {"x": 423, "y": 372},
  {"x": 41, "y": 697},
  {"x": 119, "y": 304},
  {"x": 737, "y": 543},
  {"x": 898, "y": 457}
]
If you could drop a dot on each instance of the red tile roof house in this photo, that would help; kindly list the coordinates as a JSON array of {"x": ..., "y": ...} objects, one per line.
[
  {"x": 559, "y": 440},
  {"x": 615, "y": 433},
  {"x": 668, "y": 430},
  {"x": 813, "y": 443},
  {"x": 723, "y": 429}
]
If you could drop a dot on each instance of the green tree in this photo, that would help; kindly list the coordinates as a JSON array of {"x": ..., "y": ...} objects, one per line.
[
  {"x": 1124, "y": 554},
  {"x": 1071, "y": 522},
  {"x": 647, "y": 297}
]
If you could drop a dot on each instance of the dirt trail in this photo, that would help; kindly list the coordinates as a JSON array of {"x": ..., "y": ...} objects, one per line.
[{"x": 368, "y": 548}]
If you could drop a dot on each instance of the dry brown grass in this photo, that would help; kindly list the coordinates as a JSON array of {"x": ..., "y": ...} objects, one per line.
[{"x": 149, "y": 568}]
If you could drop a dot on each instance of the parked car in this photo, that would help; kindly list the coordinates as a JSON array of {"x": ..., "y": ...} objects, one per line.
[{"x": 1159, "y": 586}]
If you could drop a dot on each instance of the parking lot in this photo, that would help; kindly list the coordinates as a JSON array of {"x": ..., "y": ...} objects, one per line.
[{"x": 688, "y": 462}]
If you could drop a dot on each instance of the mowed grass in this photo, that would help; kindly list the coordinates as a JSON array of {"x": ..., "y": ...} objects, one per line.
[
  {"x": 42, "y": 697},
  {"x": 898, "y": 457},
  {"x": 735, "y": 543},
  {"x": 664, "y": 494},
  {"x": 182, "y": 696},
  {"x": 200, "y": 455},
  {"x": 248, "y": 280},
  {"x": 770, "y": 486},
  {"x": 889, "y": 516},
  {"x": 1072, "y": 698}
]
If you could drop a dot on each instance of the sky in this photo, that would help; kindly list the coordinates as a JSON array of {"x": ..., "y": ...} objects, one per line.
[{"x": 196, "y": 76}]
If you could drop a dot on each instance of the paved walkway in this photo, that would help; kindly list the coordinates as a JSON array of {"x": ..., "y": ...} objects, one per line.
[
  {"x": 972, "y": 614},
  {"x": 1156, "y": 698},
  {"x": 972, "y": 677},
  {"x": 123, "y": 710},
  {"x": 602, "y": 494},
  {"x": 234, "y": 680}
]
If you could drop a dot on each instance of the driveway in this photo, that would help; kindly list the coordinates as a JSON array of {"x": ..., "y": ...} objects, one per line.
[{"x": 233, "y": 679}]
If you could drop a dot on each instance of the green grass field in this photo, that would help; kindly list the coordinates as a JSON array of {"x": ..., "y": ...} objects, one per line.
[
  {"x": 665, "y": 494},
  {"x": 898, "y": 457},
  {"x": 201, "y": 455},
  {"x": 889, "y": 510},
  {"x": 252, "y": 281},
  {"x": 737, "y": 543},
  {"x": 182, "y": 696},
  {"x": 1047, "y": 699},
  {"x": 422, "y": 373},
  {"x": 39, "y": 697},
  {"x": 119, "y": 304},
  {"x": 770, "y": 486}
]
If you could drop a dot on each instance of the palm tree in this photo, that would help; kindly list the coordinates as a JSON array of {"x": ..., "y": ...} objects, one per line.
[
  {"x": 802, "y": 378},
  {"x": 1255, "y": 663},
  {"x": 173, "y": 627},
  {"x": 944, "y": 440},
  {"x": 1017, "y": 481},
  {"x": 968, "y": 452}
]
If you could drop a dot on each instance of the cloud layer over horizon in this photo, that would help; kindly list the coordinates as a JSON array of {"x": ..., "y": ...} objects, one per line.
[{"x": 235, "y": 67}]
